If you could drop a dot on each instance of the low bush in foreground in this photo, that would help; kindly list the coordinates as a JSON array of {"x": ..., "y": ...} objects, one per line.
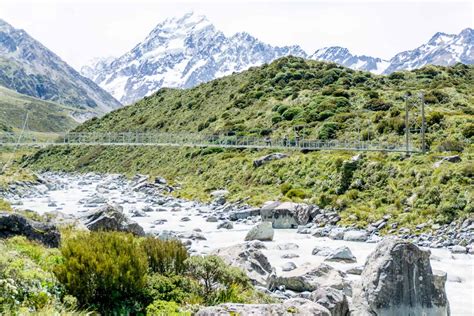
[{"x": 117, "y": 273}]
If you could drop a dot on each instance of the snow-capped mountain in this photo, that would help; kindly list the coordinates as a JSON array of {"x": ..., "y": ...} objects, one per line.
[
  {"x": 30, "y": 68},
  {"x": 182, "y": 52},
  {"x": 442, "y": 49},
  {"x": 342, "y": 56}
]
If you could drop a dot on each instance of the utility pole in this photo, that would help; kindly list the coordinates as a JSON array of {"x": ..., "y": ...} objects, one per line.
[
  {"x": 407, "y": 128},
  {"x": 423, "y": 124}
]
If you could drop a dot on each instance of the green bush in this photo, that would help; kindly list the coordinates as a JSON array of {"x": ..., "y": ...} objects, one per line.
[
  {"x": 163, "y": 308},
  {"x": 177, "y": 288},
  {"x": 104, "y": 270},
  {"x": 291, "y": 113},
  {"x": 451, "y": 145},
  {"x": 214, "y": 275},
  {"x": 296, "y": 193},
  {"x": 377, "y": 105},
  {"x": 468, "y": 130},
  {"x": 328, "y": 131},
  {"x": 285, "y": 187},
  {"x": 25, "y": 282},
  {"x": 165, "y": 256}
]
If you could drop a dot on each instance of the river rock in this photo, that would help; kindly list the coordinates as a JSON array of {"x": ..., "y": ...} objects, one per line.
[
  {"x": 302, "y": 280},
  {"x": 266, "y": 159},
  {"x": 343, "y": 254},
  {"x": 243, "y": 214},
  {"x": 288, "y": 266},
  {"x": 458, "y": 249},
  {"x": 211, "y": 219},
  {"x": 355, "y": 235},
  {"x": 263, "y": 232},
  {"x": 111, "y": 218},
  {"x": 291, "y": 307},
  {"x": 321, "y": 251},
  {"x": 225, "y": 225},
  {"x": 249, "y": 258},
  {"x": 12, "y": 224},
  {"x": 284, "y": 215},
  {"x": 334, "y": 300},
  {"x": 397, "y": 280}
]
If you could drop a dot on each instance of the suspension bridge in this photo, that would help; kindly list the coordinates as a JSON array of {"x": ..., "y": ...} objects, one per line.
[{"x": 198, "y": 140}]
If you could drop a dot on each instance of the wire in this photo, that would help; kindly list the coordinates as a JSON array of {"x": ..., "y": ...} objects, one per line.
[{"x": 25, "y": 124}]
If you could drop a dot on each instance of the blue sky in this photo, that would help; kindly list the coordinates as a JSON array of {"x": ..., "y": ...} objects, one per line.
[{"x": 78, "y": 30}]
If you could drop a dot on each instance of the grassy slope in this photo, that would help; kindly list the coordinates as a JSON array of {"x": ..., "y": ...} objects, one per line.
[
  {"x": 331, "y": 102},
  {"x": 44, "y": 116}
]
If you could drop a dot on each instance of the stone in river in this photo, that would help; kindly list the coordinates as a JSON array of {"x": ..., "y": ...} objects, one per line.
[
  {"x": 398, "y": 280},
  {"x": 262, "y": 232}
]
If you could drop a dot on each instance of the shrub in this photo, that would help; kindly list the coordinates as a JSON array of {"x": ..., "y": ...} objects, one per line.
[
  {"x": 468, "y": 130},
  {"x": 104, "y": 270},
  {"x": 165, "y": 256},
  {"x": 377, "y": 105},
  {"x": 296, "y": 193},
  {"x": 282, "y": 108},
  {"x": 285, "y": 187},
  {"x": 276, "y": 119},
  {"x": 328, "y": 131},
  {"x": 160, "y": 307},
  {"x": 451, "y": 145},
  {"x": 434, "y": 118},
  {"x": 179, "y": 289},
  {"x": 291, "y": 113},
  {"x": 5, "y": 206},
  {"x": 24, "y": 280},
  {"x": 214, "y": 275}
]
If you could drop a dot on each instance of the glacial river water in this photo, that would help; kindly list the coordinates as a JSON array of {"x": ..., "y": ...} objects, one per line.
[{"x": 78, "y": 194}]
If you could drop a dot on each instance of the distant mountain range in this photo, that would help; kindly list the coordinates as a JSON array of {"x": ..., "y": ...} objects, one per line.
[
  {"x": 183, "y": 52},
  {"x": 29, "y": 68}
]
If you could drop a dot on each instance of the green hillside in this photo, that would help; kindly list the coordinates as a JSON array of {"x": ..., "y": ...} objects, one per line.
[
  {"x": 44, "y": 116},
  {"x": 322, "y": 101}
]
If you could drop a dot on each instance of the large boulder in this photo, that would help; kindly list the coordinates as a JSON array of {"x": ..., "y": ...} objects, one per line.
[
  {"x": 266, "y": 159},
  {"x": 301, "y": 280},
  {"x": 287, "y": 214},
  {"x": 13, "y": 224},
  {"x": 243, "y": 214},
  {"x": 111, "y": 218},
  {"x": 341, "y": 254},
  {"x": 397, "y": 280},
  {"x": 263, "y": 232},
  {"x": 249, "y": 258},
  {"x": 334, "y": 300},
  {"x": 291, "y": 307}
]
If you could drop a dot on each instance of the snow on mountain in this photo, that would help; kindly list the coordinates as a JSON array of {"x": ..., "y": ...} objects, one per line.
[
  {"x": 342, "y": 56},
  {"x": 28, "y": 67},
  {"x": 442, "y": 49},
  {"x": 181, "y": 52}
]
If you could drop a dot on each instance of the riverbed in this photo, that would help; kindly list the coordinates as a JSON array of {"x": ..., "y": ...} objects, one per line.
[{"x": 78, "y": 194}]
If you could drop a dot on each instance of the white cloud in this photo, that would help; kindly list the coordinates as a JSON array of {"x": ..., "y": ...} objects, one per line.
[{"x": 78, "y": 30}]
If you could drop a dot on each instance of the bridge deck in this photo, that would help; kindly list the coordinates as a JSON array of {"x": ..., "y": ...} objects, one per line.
[{"x": 196, "y": 140}]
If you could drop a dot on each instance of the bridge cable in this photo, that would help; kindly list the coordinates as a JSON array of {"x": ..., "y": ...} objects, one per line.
[{"x": 17, "y": 145}]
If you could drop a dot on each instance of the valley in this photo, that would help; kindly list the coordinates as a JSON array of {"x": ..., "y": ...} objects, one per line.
[{"x": 206, "y": 172}]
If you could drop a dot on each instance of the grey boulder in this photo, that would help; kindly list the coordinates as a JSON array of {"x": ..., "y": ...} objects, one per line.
[
  {"x": 111, "y": 218},
  {"x": 343, "y": 254},
  {"x": 249, "y": 257},
  {"x": 263, "y": 232},
  {"x": 291, "y": 307},
  {"x": 398, "y": 280},
  {"x": 12, "y": 224}
]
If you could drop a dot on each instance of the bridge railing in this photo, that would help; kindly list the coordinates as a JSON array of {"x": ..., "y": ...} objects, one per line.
[{"x": 198, "y": 140}]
